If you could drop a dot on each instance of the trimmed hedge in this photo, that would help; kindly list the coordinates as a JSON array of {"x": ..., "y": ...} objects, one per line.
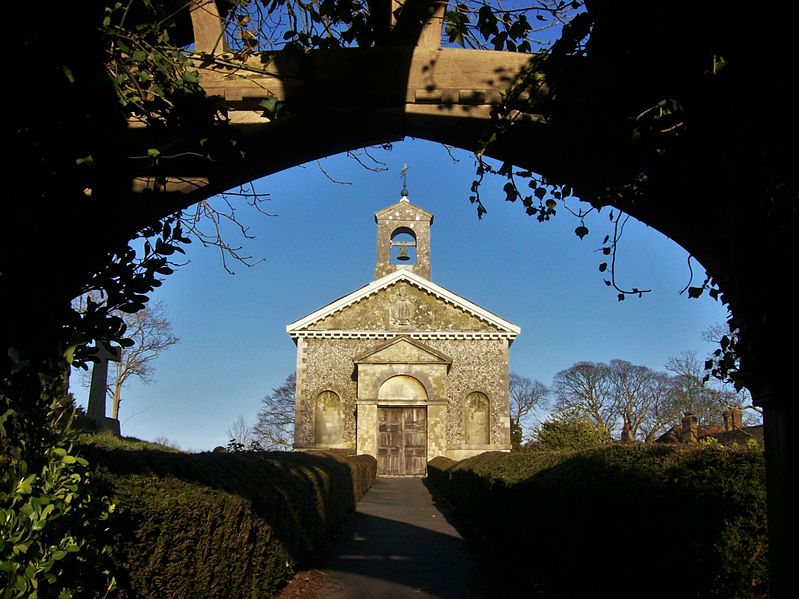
[
  {"x": 223, "y": 525},
  {"x": 620, "y": 521}
]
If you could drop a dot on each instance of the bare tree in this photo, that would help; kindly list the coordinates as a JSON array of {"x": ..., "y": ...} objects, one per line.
[
  {"x": 643, "y": 399},
  {"x": 693, "y": 394},
  {"x": 525, "y": 396},
  {"x": 628, "y": 388},
  {"x": 661, "y": 413},
  {"x": 240, "y": 434},
  {"x": 585, "y": 389},
  {"x": 706, "y": 398},
  {"x": 151, "y": 332},
  {"x": 715, "y": 332},
  {"x": 275, "y": 426}
]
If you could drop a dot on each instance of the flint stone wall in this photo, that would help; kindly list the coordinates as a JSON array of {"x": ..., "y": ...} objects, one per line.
[{"x": 478, "y": 365}]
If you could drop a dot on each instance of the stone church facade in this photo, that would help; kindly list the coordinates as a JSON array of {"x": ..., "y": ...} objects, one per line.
[{"x": 402, "y": 369}]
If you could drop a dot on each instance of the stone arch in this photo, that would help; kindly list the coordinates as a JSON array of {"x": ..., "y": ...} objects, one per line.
[
  {"x": 327, "y": 418},
  {"x": 402, "y": 387},
  {"x": 477, "y": 419},
  {"x": 403, "y": 246},
  {"x": 748, "y": 268}
]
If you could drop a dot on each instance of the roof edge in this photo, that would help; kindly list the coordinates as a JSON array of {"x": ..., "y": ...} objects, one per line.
[{"x": 415, "y": 279}]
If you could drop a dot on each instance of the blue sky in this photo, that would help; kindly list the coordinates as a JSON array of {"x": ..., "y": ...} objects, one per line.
[{"x": 320, "y": 245}]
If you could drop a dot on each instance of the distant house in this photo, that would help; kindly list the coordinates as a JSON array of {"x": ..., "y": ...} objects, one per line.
[{"x": 733, "y": 432}]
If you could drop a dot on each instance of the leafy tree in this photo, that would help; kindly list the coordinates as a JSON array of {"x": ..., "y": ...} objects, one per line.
[
  {"x": 525, "y": 396},
  {"x": 274, "y": 428},
  {"x": 569, "y": 429}
]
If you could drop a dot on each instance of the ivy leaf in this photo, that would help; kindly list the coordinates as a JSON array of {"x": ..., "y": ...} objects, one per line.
[
  {"x": 694, "y": 292},
  {"x": 581, "y": 231},
  {"x": 603, "y": 267},
  {"x": 620, "y": 297},
  {"x": 87, "y": 160},
  {"x": 191, "y": 77},
  {"x": 510, "y": 192}
]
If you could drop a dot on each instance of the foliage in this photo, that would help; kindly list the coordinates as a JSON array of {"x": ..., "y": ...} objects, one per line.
[
  {"x": 223, "y": 524},
  {"x": 692, "y": 519},
  {"x": 121, "y": 287},
  {"x": 275, "y": 426},
  {"x": 264, "y": 25},
  {"x": 54, "y": 518},
  {"x": 568, "y": 430},
  {"x": 521, "y": 28},
  {"x": 104, "y": 439}
]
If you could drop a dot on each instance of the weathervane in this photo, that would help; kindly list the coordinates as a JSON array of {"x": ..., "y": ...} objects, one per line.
[{"x": 404, "y": 175}]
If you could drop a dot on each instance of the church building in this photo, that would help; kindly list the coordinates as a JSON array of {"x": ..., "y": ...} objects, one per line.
[{"x": 403, "y": 369}]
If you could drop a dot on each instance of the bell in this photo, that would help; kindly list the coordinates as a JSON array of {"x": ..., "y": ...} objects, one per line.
[{"x": 403, "y": 254}]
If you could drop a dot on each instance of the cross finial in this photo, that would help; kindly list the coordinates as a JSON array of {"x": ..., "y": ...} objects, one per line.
[{"x": 404, "y": 175}]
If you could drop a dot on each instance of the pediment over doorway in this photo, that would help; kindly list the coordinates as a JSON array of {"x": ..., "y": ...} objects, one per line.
[{"x": 403, "y": 350}]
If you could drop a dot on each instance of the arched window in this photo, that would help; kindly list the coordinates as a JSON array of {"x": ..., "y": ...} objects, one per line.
[
  {"x": 327, "y": 418},
  {"x": 477, "y": 419},
  {"x": 403, "y": 247}
]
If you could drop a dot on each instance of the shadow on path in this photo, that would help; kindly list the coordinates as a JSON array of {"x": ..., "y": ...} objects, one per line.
[{"x": 399, "y": 544}]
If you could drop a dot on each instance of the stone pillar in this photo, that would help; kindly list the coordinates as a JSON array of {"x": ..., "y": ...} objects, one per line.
[
  {"x": 367, "y": 428},
  {"x": 436, "y": 429},
  {"x": 95, "y": 408}
]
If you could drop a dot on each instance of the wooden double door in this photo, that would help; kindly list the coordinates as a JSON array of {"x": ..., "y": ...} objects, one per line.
[{"x": 401, "y": 441}]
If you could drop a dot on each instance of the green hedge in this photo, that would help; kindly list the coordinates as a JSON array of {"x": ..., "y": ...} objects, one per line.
[
  {"x": 620, "y": 521},
  {"x": 223, "y": 524}
]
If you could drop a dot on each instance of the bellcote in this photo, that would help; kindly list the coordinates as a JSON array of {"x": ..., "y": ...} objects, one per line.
[{"x": 403, "y": 239}]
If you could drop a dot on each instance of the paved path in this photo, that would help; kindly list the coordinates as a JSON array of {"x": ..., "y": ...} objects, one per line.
[{"x": 397, "y": 545}]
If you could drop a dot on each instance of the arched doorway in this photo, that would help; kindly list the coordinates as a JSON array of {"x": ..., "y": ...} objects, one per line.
[{"x": 401, "y": 428}]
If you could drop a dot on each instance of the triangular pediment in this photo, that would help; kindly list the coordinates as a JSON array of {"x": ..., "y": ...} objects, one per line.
[
  {"x": 403, "y": 350},
  {"x": 403, "y": 210},
  {"x": 403, "y": 302}
]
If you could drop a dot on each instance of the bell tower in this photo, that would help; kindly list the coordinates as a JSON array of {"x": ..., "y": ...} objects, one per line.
[{"x": 403, "y": 238}]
